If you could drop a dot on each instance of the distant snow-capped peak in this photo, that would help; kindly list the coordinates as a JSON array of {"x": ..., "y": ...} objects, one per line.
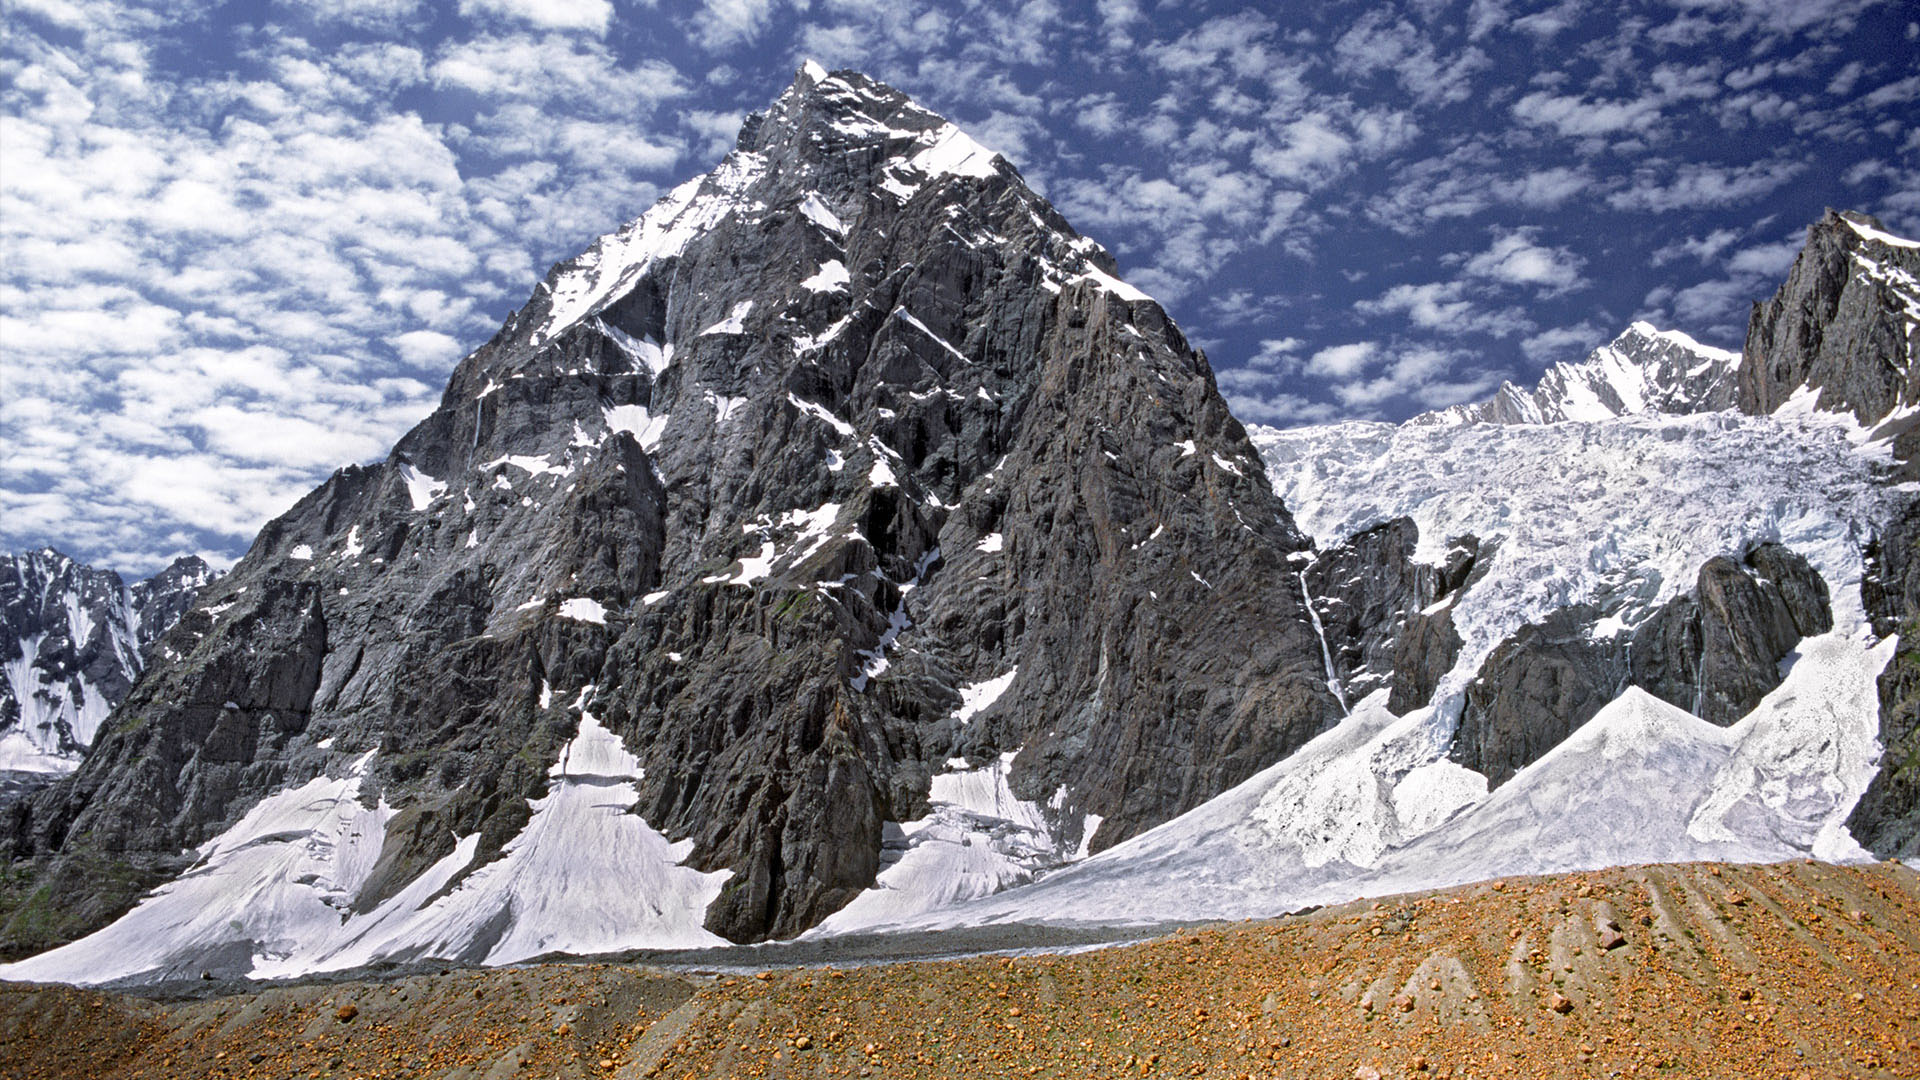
[{"x": 1644, "y": 370}]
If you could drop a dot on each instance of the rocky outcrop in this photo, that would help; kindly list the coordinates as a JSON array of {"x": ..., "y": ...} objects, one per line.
[
  {"x": 1379, "y": 614},
  {"x": 1714, "y": 651},
  {"x": 1886, "y": 821},
  {"x": 1846, "y": 324},
  {"x": 73, "y": 640},
  {"x": 1364, "y": 590},
  {"x": 771, "y": 482},
  {"x": 1536, "y": 688}
]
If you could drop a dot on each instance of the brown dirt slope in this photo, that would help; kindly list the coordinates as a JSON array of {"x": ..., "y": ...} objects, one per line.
[{"x": 1793, "y": 970}]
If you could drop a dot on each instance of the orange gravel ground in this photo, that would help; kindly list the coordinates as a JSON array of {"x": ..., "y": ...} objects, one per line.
[{"x": 1792, "y": 970}]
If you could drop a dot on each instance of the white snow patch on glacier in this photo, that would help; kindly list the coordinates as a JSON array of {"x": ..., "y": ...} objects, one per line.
[
  {"x": 617, "y": 261},
  {"x": 976, "y": 698},
  {"x": 814, "y": 209},
  {"x": 831, "y": 277},
  {"x": 646, "y": 428},
  {"x": 1868, "y": 232},
  {"x": 734, "y": 323},
  {"x": 820, "y": 413}
]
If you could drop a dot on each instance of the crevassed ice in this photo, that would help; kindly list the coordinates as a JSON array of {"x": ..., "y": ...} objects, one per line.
[{"x": 1620, "y": 513}]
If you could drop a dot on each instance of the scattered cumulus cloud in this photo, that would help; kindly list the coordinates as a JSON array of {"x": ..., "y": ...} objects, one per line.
[
  {"x": 1515, "y": 258},
  {"x": 243, "y": 244},
  {"x": 547, "y": 14}
]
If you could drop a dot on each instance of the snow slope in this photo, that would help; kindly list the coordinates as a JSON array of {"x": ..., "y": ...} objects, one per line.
[
  {"x": 1642, "y": 781},
  {"x": 977, "y": 839},
  {"x": 284, "y": 873},
  {"x": 272, "y": 895},
  {"x": 1618, "y": 512}
]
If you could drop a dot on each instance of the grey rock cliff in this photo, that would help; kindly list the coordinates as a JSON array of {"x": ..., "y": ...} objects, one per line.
[
  {"x": 1380, "y": 615},
  {"x": 1846, "y": 324},
  {"x": 764, "y": 479},
  {"x": 1886, "y": 821}
]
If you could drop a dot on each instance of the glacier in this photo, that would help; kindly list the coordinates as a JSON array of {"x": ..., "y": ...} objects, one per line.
[{"x": 1618, "y": 511}]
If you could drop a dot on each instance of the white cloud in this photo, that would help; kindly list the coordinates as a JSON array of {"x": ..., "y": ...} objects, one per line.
[
  {"x": 716, "y": 130},
  {"x": 1381, "y": 43},
  {"x": 557, "y": 68},
  {"x": 1575, "y": 116},
  {"x": 1696, "y": 185},
  {"x": 725, "y": 23},
  {"x": 1341, "y": 361},
  {"x": 365, "y": 13},
  {"x": 547, "y": 14},
  {"x": 1444, "y": 306},
  {"x": 1515, "y": 259},
  {"x": 1563, "y": 343},
  {"x": 427, "y": 349}
]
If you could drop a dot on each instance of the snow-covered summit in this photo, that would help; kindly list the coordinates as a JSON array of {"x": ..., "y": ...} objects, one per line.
[{"x": 1645, "y": 369}]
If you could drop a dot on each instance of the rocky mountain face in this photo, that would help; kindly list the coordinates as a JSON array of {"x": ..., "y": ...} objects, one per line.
[
  {"x": 1714, "y": 651},
  {"x": 1383, "y": 615},
  {"x": 1887, "y": 819},
  {"x": 1845, "y": 325},
  {"x": 848, "y": 466},
  {"x": 74, "y": 639},
  {"x": 1644, "y": 370}
]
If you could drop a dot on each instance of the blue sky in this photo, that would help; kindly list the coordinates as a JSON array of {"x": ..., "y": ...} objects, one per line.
[{"x": 244, "y": 243}]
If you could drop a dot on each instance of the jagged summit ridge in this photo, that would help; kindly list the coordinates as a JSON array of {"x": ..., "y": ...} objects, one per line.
[
  {"x": 796, "y": 155},
  {"x": 1645, "y": 369},
  {"x": 1853, "y": 292}
]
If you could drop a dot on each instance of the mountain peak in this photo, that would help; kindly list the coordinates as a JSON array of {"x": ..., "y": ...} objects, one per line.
[
  {"x": 843, "y": 473},
  {"x": 1644, "y": 369},
  {"x": 1853, "y": 291},
  {"x": 839, "y": 149}
]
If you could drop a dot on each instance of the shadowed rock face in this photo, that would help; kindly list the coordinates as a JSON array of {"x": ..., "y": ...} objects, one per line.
[
  {"x": 763, "y": 481},
  {"x": 1715, "y": 652},
  {"x": 1378, "y": 612},
  {"x": 1887, "y": 819}
]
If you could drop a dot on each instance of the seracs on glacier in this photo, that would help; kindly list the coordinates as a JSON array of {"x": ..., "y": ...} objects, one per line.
[{"x": 1618, "y": 511}]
